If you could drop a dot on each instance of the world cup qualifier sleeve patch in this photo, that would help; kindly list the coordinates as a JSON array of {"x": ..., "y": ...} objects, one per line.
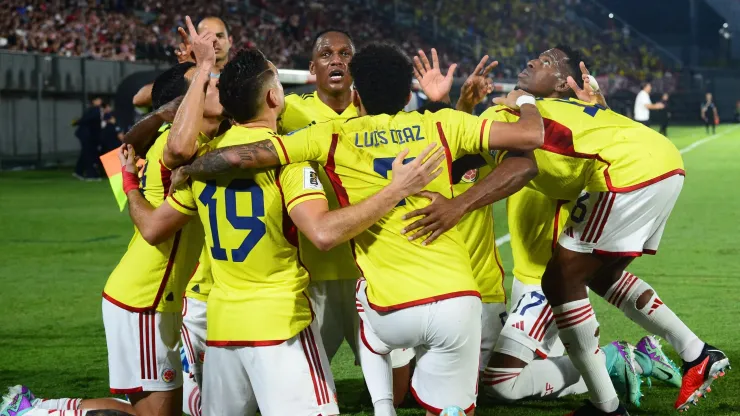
[{"x": 311, "y": 180}]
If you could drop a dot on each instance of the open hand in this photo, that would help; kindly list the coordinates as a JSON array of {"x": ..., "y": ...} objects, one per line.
[
  {"x": 510, "y": 99},
  {"x": 413, "y": 176},
  {"x": 587, "y": 93},
  {"x": 438, "y": 217},
  {"x": 202, "y": 45},
  {"x": 477, "y": 86},
  {"x": 435, "y": 85}
]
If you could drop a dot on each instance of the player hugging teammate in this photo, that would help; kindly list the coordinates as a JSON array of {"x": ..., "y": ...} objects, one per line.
[{"x": 309, "y": 235}]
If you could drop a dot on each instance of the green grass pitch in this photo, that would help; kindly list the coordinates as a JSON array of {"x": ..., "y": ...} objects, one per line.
[{"x": 61, "y": 238}]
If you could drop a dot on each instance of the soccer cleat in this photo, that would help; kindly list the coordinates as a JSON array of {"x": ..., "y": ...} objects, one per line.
[
  {"x": 699, "y": 374},
  {"x": 655, "y": 364},
  {"x": 589, "y": 409},
  {"x": 15, "y": 405},
  {"x": 23, "y": 391},
  {"x": 619, "y": 359}
]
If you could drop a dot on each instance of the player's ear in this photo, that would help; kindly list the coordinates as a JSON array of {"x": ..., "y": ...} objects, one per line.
[
  {"x": 562, "y": 85},
  {"x": 311, "y": 68},
  {"x": 356, "y": 101},
  {"x": 273, "y": 100}
]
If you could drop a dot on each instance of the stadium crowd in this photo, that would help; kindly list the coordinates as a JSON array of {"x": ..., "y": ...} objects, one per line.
[{"x": 135, "y": 30}]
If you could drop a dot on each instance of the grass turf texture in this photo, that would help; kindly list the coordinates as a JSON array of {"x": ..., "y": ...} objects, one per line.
[{"x": 60, "y": 238}]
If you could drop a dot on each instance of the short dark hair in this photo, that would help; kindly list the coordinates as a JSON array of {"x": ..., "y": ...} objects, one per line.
[
  {"x": 574, "y": 59},
  {"x": 330, "y": 30},
  {"x": 170, "y": 84},
  {"x": 382, "y": 73},
  {"x": 241, "y": 84}
]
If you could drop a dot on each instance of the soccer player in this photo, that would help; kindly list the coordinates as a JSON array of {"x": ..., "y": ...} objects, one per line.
[
  {"x": 334, "y": 273},
  {"x": 223, "y": 43},
  {"x": 254, "y": 355},
  {"x": 597, "y": 159},
  {"x": 402, "y": 306}
]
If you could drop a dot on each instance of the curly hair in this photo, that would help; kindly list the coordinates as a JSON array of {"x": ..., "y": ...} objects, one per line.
[
  {"x": 170, "y": 84},
  {"x": 382, "y": 73}
]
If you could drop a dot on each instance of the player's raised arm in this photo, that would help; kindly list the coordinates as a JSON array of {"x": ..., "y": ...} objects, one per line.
[
  {"x": 327, "y": 229},
  {"x": 155, "y": 225},
  {"x": 527, "y": 133},
  {"x": 512, "y": 174},
  {"x": 590, "y": 93},
  {"x": 182, "y": 143},
  {"x": 476, "y": 87},
  {"x": 434, "y": 85},
  {"x": 143, "y": 133}
]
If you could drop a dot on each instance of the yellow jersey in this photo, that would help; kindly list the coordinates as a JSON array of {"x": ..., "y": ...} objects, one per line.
[
  {"x": 202, "y": 280},
  {"x": 337, "y": 263},
  {"x": 259, "y": 286},
  {"x": 357, "y": 155},
  {"x": 477, "y": 230},
  {"x": 588, "y": 147},
  {"x": 154, "y": 277},
  {"x": 535, "y": 223}
]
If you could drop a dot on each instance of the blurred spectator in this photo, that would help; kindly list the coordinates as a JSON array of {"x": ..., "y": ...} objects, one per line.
[
  {"x": 88, "y": 132},
  {"x": 664, "y": 115},
  {"x": 643, "y": 105},
  {"x": 709, "y": 113},
  {"x": 112, "y": 134}
]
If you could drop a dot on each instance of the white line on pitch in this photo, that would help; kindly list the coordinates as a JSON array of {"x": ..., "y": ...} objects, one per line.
[{"x": 505, "y": 239}]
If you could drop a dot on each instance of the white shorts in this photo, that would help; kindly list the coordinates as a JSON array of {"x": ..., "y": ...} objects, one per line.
[
  {"x": 193, "y": 334},
  {"x": 190, "y": 396},
  {"x": 493, "y": 317},
  {"x": 401, "y": 357},
  {"x": 333, "y": 303},
  {"x": 530, "y": 326},
  {"x": 292, "y": 378},
  {"x": 621, "y": 224},
  {"x": 446, "y": 338},
  {"x": 143, "y": 351}
]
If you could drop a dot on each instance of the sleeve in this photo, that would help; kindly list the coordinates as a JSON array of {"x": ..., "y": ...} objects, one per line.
[
  {"x": 462, "y": 132},
  {"x": 310, "y": 144},
  {"x": 182, "y": 200},
  {"x": 300, "y": 183}
]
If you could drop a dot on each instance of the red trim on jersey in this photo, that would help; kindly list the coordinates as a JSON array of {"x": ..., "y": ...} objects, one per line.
[
  {"x": 422, "y": 301},
  {"x": 282, "y": 146},
  {"x": 500, "y": 267},
  {"x": 618, "y": 253},
  {"x": 448, "y": 153},
  {"x": 166, "y": 175},
  {"x": 244, "y": 343},
  {"x": 364, "y": 339},
  {"x": 123, "y": 305},
  {"x": 290, "y": 231},
  {"x": 559, "y": 139},
  {"x": 303, "y": 196},
  {"x": 431, "y": 408},
  {"x": 168, "y": 270},
  {"x": 306, "y": 352},
  {"x": 126, "y": 391},
  {"x": 336, "y": 184},
  {"x": 556, "y": 222},
  {"x": 172, "y": 197},
  {"x": 482, "y": 130}
]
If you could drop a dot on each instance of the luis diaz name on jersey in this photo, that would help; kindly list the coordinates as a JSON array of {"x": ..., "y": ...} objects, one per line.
[{"x": 381, "y": 137}]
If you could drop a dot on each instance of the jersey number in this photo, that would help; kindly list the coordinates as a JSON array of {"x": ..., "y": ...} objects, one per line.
[
  {"x": 537, "y": 300},
  {"x": 579, "y": 209},
  {"x": 383, "y": 165},
  {"x": 252, "y": 223}
]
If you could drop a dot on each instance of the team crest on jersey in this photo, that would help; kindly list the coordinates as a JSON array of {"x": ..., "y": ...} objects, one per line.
[
  {"x": 470, "y": 176},
  {"x": 202, "y": 356},
  {"x": 168, "y": 375},
  {"x": 311, "y": 180}
]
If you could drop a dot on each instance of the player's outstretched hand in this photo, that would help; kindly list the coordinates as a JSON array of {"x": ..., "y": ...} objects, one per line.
[
  {"x": 128, "y": 159},
  {"x": 410, "y": 178},
  {"x": 177, "y": 178},
  {"x": 438, "y": 217},
  {"x": 435, "y": 85},
  {"x": 202, "y": 44},
  {"x": 510, "y": 99},
  {"x": 477, "y": 86},
  {"x": 184, "y": 51},
  {"x": 590, "y": 93}
]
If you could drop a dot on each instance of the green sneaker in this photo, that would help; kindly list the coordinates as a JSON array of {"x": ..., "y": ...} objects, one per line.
[
  {"x": 655, "y": 364},
  {"x": 619, "y": 359}
]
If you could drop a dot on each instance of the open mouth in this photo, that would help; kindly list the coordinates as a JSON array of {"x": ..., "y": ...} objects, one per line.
[{"x": 336, "y": 75}]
